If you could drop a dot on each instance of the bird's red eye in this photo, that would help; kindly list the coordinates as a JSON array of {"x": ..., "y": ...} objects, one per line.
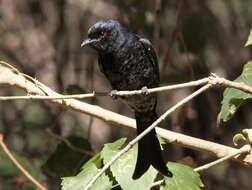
[{"x": 103, "y": 34}]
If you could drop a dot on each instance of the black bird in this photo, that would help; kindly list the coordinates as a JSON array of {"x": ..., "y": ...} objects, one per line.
[{"x": 130, "y": 63}]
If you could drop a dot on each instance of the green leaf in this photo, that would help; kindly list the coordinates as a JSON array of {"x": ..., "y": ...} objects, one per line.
[
  {"x": 249, "y": 41},
  {"x": 81, "y": 180},
  {"x": 96, "y": 160},
  {"x": 123, "y": 168},
  {"x": 115, "y": 145},
  {"x": 66, "y": 161},
  {"x": 233, "y": 98},
  {"x": 184, "y": 177}
]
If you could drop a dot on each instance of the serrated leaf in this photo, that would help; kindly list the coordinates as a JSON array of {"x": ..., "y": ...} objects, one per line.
[
  {"x": 184, "y": 177},
  {"x": 96, "y": 160},
  {"x": 233, "y": 98},
  {"x": 123, "y": 168},
  {"x": 115, "y": 145},
  {"x": 82, "y": 179},
  {"x": 249, "y": 41}
]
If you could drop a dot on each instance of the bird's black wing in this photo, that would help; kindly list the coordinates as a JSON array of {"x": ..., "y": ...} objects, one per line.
[{"x": 151, "y": 54}]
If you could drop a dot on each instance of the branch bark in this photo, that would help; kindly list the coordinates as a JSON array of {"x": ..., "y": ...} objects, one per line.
[{"x": 10, "y": 77}]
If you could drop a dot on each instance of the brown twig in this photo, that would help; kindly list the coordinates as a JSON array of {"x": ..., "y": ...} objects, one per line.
[
  {"x": 242, "y": 150},
  {"x": 212, "y": 79},
  {"x": 19, "y": 166},
  {"x": 96, "y": 94}
]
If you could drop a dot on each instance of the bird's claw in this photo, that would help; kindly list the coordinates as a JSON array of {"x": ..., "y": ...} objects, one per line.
[
  {"x": 113, "y": 94},
  {"x": 145, "y": 90}
]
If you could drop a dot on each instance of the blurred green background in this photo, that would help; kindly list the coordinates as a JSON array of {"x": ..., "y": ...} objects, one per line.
[{"x": 192, "y": 37}]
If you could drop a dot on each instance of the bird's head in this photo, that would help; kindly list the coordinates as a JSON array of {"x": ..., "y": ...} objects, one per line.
[{"x": 103, "y": 35}]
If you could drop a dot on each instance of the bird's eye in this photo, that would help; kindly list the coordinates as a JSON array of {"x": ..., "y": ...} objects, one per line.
[{"x": 103, "y": 34}]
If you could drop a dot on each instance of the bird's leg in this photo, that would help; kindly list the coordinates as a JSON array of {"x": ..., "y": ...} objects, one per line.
[
  {"x": 145, "y": 90},
  {"x": 113, "y": 94}
]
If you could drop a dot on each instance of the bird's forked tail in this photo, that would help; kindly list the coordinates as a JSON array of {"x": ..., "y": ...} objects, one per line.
[{"x": 149, "y": 150}]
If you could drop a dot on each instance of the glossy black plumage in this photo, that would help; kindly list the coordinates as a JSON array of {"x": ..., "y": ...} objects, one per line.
[{"x": 129, "y": 62}]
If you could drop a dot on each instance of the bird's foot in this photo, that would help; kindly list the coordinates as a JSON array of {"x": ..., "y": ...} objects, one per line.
[
  {"x": 113, "y": 94},
  {"x": 145, "y": 90}
]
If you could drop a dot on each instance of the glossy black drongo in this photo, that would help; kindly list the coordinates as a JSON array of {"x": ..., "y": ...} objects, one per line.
[{"x": 130, "y": 63}]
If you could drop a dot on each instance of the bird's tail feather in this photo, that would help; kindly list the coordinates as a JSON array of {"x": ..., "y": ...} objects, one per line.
[{"x": 149, "y": 150}]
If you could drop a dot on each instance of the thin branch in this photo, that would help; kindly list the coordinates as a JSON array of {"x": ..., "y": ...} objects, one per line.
[
  {"x": 140, "y": 136},
  {"x": 212, "y": 79},
  {"x": 38, "y": 97},
  {"x": 231, "y": 84},
  {"x": 116, "y": 93},
  {"x": 242, "y": 150},
  {"x": 19, "y": 166}
]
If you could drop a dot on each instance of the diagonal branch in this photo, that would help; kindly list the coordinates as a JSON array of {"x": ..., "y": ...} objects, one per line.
[
  {"x": 245, "y": 149},
  {"x": 19, "y": 166},
  {"x": 146, "y": 131}
]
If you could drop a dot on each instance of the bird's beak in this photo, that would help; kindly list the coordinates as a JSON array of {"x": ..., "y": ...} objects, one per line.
[{"x": 88, "y": 42}]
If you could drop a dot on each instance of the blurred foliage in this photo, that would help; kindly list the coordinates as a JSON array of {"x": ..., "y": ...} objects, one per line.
[
  {"x": 193, "y": 38},
  {"x": 67, "y": 161},
  {"x": 11, "y": 174}
]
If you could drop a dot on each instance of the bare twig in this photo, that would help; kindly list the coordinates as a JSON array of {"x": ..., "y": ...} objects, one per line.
[
  {"x": 38, "y": 97},
  {"x": 152, "y": 126},
  {"x": 19, "y": 166},
  {"x": 212, "y": 79},
  {"x": 216, "y": 80},
  {"x": 242, "y": 150},
  {"x": 117, "y": 93}
]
